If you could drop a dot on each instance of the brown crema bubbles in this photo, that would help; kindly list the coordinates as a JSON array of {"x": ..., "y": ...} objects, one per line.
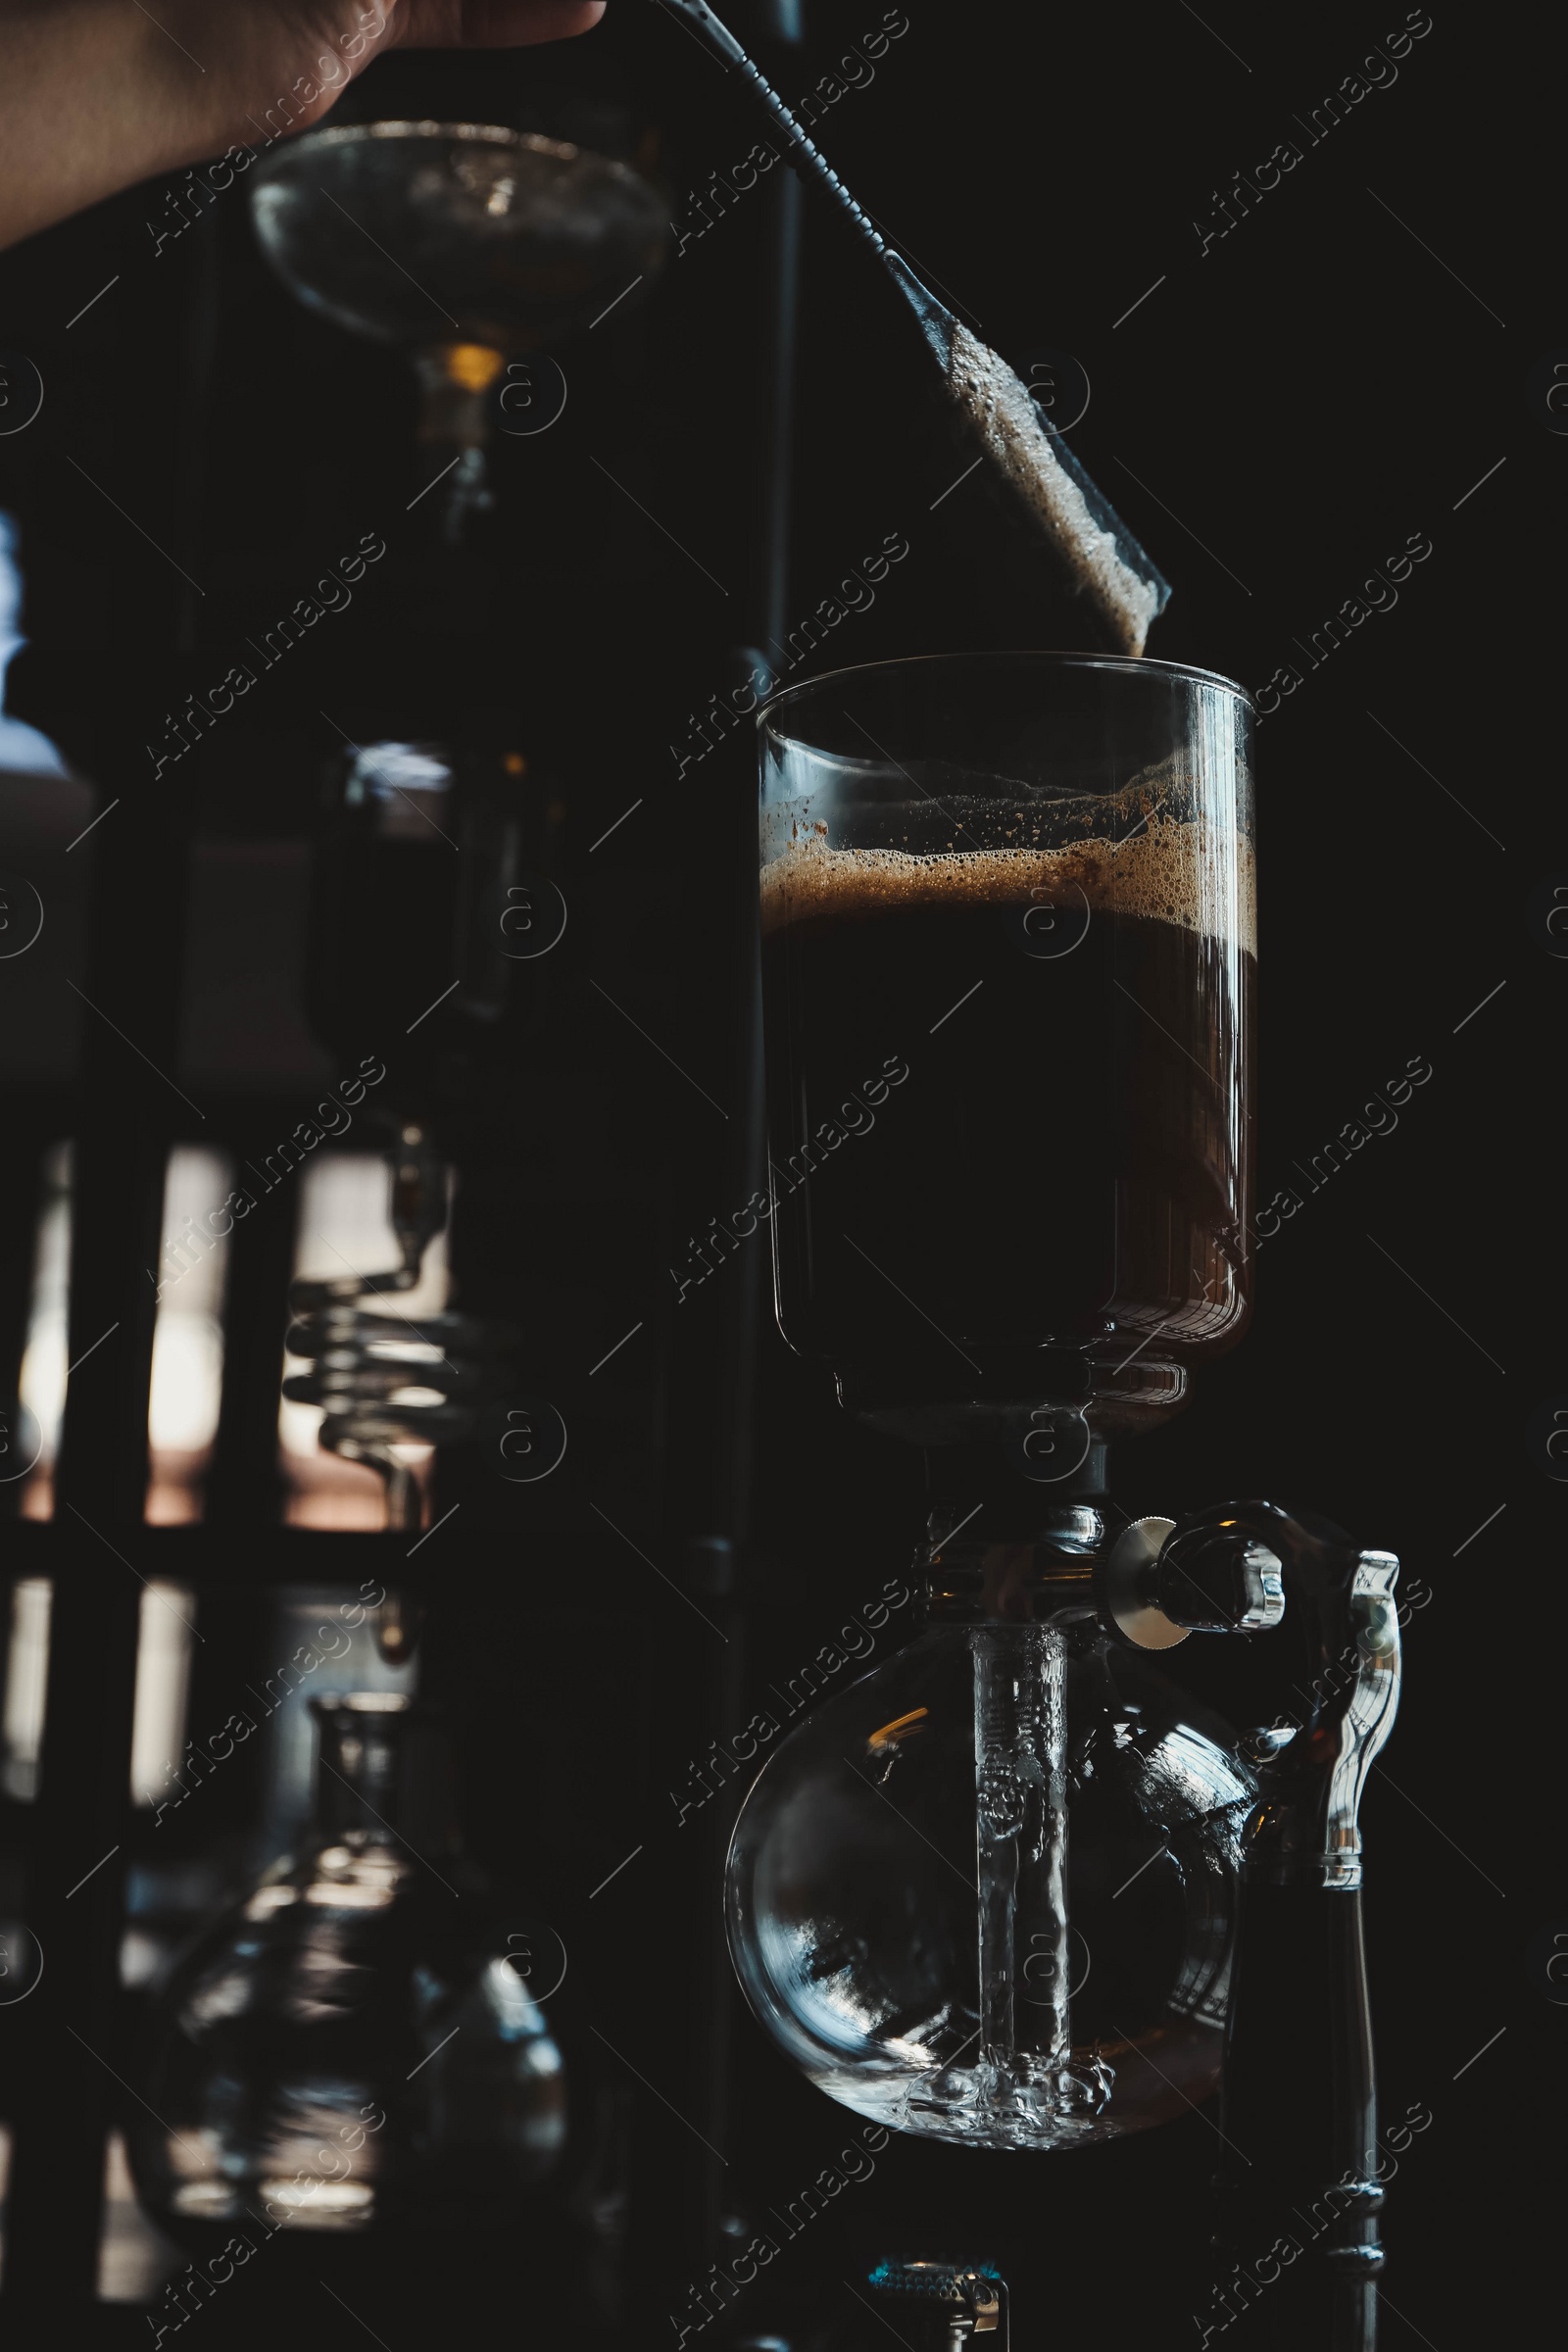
[{"x": 1166, "y": 871}]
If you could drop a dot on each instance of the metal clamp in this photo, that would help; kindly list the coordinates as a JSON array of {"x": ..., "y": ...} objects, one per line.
[{"x": 1159, "y": 1582}]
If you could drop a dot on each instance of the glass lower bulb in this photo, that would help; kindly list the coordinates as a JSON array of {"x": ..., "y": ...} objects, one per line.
[{"x": 988, "y": 1894}]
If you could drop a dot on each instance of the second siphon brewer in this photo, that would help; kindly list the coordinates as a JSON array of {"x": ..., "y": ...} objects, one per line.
[{"x": 1003, "y": 1892}]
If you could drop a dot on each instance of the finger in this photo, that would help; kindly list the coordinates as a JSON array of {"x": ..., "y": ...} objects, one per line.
[{"x": 490, "y": 24}]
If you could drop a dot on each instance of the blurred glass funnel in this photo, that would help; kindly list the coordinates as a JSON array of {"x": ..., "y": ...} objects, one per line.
[
  {"x": 415, "y": 232},
  {"x": 464, "y": 244}
]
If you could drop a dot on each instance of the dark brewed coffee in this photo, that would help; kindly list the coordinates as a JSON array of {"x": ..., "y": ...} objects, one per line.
[{"x": 1007, "y": 1099}]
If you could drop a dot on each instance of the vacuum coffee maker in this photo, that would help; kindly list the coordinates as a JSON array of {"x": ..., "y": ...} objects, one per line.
[{"x": 1015, "y": 1889}]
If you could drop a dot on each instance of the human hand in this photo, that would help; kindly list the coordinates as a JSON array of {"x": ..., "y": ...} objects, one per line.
[
  {"x": 286, "y": 63},
  {"x": 97, "y": 95}
]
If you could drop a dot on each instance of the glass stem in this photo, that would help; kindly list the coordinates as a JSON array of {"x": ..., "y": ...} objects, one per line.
[{"x": 1020, "y": 1743}]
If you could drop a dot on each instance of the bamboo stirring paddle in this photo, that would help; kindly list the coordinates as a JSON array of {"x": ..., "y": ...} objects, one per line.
[{"x": 1086, "y": 544}]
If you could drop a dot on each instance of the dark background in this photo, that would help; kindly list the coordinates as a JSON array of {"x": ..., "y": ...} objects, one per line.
[{"x": 1274, "y": 420}]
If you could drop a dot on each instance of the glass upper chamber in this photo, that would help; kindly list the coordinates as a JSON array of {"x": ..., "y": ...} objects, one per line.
[
  {"x": 988, "y": 1894},
  {"x": 1009, "y": 968}
]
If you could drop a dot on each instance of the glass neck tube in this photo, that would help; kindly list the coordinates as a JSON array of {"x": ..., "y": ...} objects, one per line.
[
  {"x": 979, "y": 1575},
  {"x": 384, "y": 1772}
]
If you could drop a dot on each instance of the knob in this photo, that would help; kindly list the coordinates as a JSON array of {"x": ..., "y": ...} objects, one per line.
[{"x": 1219, "y": 1578}]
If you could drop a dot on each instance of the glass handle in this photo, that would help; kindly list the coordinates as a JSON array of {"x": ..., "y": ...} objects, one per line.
[{"x": 1301, "y": 2115}]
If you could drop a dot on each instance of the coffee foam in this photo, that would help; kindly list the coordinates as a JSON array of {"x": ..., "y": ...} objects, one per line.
[
  {"x": 1168, "y": 872},
  {"x": 1002, "y": 412}
]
